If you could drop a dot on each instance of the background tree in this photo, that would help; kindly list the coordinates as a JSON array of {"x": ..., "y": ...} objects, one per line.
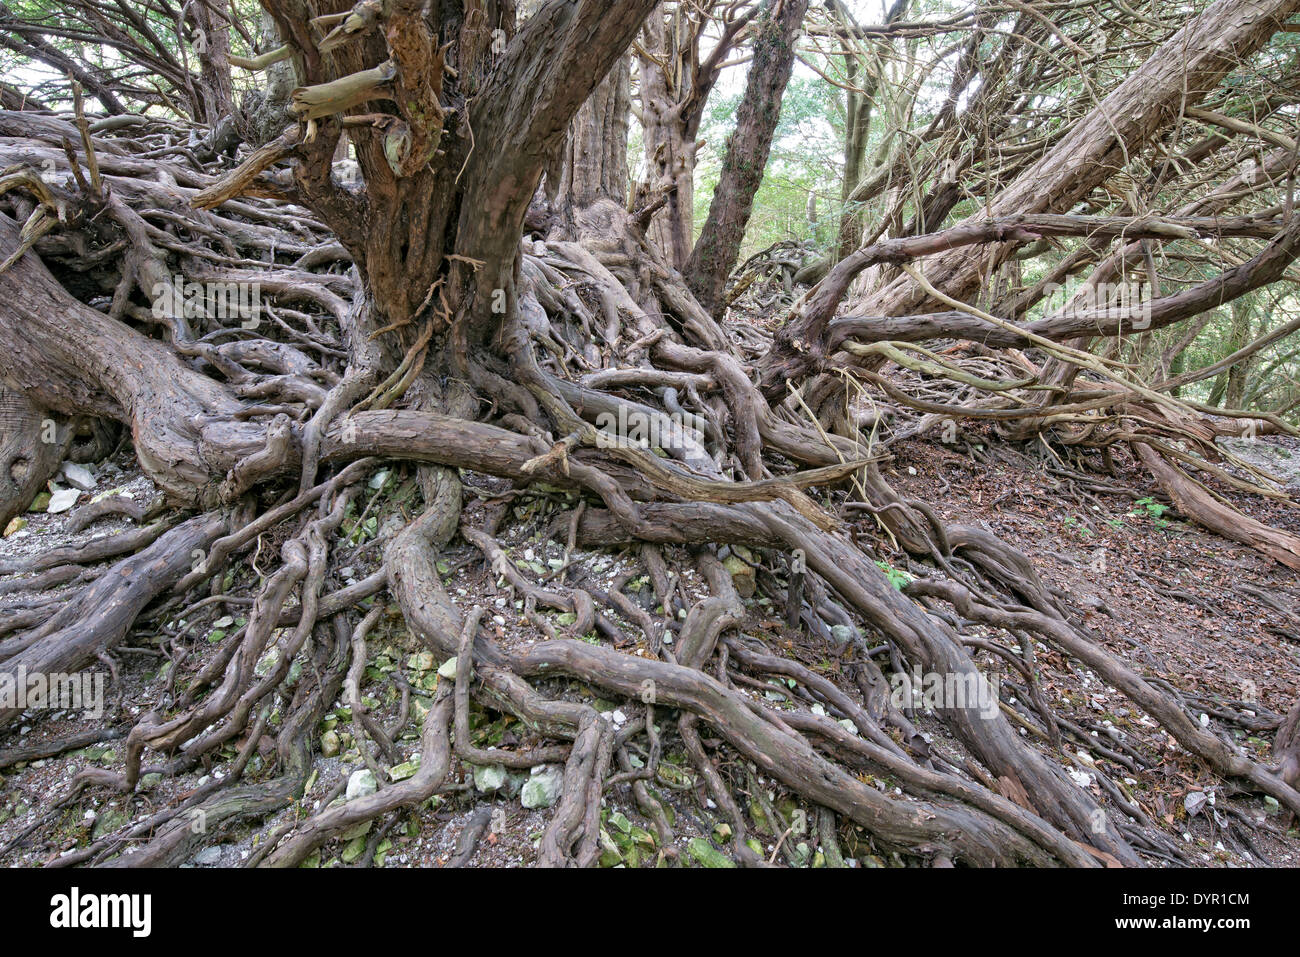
[{"x": 718, "y": 248}]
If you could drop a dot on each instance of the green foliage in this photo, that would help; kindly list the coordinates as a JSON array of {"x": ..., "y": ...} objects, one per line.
[
  {"x": 1150, "y": 508},
  {"x": 897, "y": 577}
]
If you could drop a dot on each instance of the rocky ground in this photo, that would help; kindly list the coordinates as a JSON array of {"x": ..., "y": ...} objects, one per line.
[{"x": 1213, "y": 619}]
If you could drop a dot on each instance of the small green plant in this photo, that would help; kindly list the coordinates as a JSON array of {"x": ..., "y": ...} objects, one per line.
[
  {"x": 1150, "y": 508},
  {"x": 1073, "y": 523},
  {"x": 897, "y": 577}
]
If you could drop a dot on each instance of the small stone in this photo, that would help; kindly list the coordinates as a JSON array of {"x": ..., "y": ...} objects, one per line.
[
  {"x": 62, "y": 500},
  {"x": 16, "y": 524},
  {"x": 107, "y": 822},
  {"x": 208, "y": 857},
  {"x": 361, "y": 784},
  {"x": 542, "y": 789},
  {"x": 407, "y": 769},
  {"x": 706, "y": 855},
  {"x": 489, "y": 778},
  {"x": 78, "y": 476},
  {"x": 330, "y": 744},
  {"x": 357, "y": 830},
  {"x": 742, "y": 575},
  {"x": 1080, "y": 778},
  {"x": 421, "y": 661},
  {"x": 268, "y": 662},
  {"x": 354, "y": 850},
  {"x": 448, "y": 669},
  {"x": 842, "y": 634}
]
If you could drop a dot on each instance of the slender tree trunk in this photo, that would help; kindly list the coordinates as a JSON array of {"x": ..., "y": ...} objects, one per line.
[
  {"x": 718, "y": 248},
  {"x": 857, "y": 126}
]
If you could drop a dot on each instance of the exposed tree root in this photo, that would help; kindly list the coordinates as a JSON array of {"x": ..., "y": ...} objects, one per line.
[{"x": 273, "y": 433}]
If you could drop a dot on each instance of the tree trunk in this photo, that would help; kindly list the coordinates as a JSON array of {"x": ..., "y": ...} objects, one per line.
[
  {"x": 718, "y": 248},
  {"x": 594, "y": 160},
  {"x": 859, "y": 101},
  {"x": 212, "y": 45},
  {"x": 669, "y": 130}
]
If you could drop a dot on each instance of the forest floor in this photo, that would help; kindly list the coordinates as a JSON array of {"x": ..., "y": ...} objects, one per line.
[{"x": 1212, "y": 618}]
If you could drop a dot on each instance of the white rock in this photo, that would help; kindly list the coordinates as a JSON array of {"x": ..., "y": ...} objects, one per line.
[
  {"x": 542, "y": 789},
  {"x": 361, "y": 783},
  {"x": 62, "y": 500},
  {"x": 268, "y": 662},
  {"x": 79, "y": 476},
  {"x": 489, "y": 778},
  {"x": 1080, "y": 778}
]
